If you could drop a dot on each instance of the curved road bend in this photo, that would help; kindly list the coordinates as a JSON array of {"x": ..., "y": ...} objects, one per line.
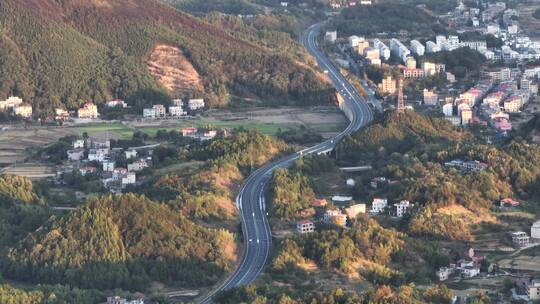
[{"x": 251, "y": 201}]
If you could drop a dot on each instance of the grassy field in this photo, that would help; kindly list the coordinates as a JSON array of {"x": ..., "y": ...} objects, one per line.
[
  {"x": 265, "y": 128},
  {"x": 117, "y": 129}
]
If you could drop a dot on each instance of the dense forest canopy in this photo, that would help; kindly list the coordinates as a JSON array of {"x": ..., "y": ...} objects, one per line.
[{"x": 123, "y": 241}]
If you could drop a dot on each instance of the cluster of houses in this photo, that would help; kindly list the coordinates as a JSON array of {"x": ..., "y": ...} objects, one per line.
[
  {"x": 119, "y": 300},
  {"x": 339, "y": 216},
  {"x": 520, "y": 239},
  {"x": 496, "y": 19},
  {"x": 491, "y": 101},
  {"x": 87, "y": 153},
  {"x": 467, "y": 166},
  {"x": 468, "y": 267},
  {"x": 176, "y": 109},
  {"x": 16, "y": 106}
]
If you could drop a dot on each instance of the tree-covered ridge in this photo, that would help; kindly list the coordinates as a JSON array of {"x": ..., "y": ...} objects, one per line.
[
  {"x": 390, "y": 133},
  {"x": 385, "y": 17},
  {"x": 208, "y": 193},
  {"x": 74, "y": 51},
  {"x": 17, "y": 188},
  {"x": 384, "y": 294},
  {"x": 412, "y": 150},
  {"x": 366, "y": 247},
  {"x": 120, "y": 241}
]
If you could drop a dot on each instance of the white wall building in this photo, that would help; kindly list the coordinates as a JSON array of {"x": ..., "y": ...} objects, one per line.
[
  {"x": 417, "y": 48},
  {"x": 378, "y": 205},
  {"x": 195, "y": 104},
  {"x": 535, "y": 230},
  {"x": 448, "y": 109},
  {"x": 401, "y": 208},
  {"x": 354, "y": 41},
  {"x": 384, "y": 50},
  {"x": 399, "y": 50},
  {"x": 149, "y": 113},
  {"x": 432, "y": 47}
]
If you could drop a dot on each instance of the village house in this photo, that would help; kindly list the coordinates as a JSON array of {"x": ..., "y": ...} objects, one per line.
[
  {"x": 176, "y": 111},
  {"x": 75, "y": 154},
  {"x": 85, "y": 170},
  {"x": 378, "y": 181},
  {"x": 61, "y": 114},
  {"x": 130, "y": 153},
  {"x": 445, "y": 272},
  {"x": 98, "y": 155},
  {"x": 108, "y": 165},
  {"x": 353, "y": 210},
  {"x": 10, "y": 103},
  {"x": 533, "y": 290},
  {"x": 116, "y": 103},
  {"x": 335, "y": 217},
  {"x": 400, "y": 209},
  {"x": 305, "y": 226},
  {"x": 177, "y": 102},
  {"x": 137, "y": 165},
  {"x": 129, "y": 178},
  {"x": 149, "y": 113},
  {"x": 535, "y": 231},
  {"x": 23, "y": 110},
  {"x": 118, "y": 173},
  {"x": 208, "y": 135},
  {"x": 378, "y": 205},
  {"x": 88, "y": 110},
  {"x": 319, "y": 202},
  {"x": 508, "y": 202},
  {"x": 159, "y": 110},
  {"x": 195, "y": 104},
  {"x": 520, "y": 239},
  {"x": 189, "y": 132},
  {"x": 78, "y": 144},
  {"x": 119, "y": 300}
]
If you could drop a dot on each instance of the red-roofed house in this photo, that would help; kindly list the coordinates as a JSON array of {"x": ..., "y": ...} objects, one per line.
[{"x": 508, "y": 202}]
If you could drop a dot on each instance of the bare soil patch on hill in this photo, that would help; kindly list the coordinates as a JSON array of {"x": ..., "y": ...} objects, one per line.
[{"x": 173, "y": 70}]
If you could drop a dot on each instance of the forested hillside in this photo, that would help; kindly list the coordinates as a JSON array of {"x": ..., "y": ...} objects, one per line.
[
  {"x": 58, "y": 53},
  {"x": 124, "y": 241}
]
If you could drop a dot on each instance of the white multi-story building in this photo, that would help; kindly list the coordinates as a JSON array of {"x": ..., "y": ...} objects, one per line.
[
  {"x": 132, "y": 153},
  {"x": 384, "y": 50},
  {"x": 330, "y": 36},
  {"x": 137, "y": 165},
  {"x": 535, "y": 230},
  {"x": 399, "y": 50},
  {"x": 129, "y": 178},
  {"x": 378, "y": 205},
  {"x": 149, "y": 113},
  {"x": 448, "y": 109},
  {"x": 10, "y": 103},
  {"x": 108, "y": 165},
  {"x": 98, "y": 155},
  {"x": 432, "y": 47},
  {"x": 78, "y": 144},
  {"x": 305, "y": 226},
  {"x": 417, "y": 48},
  {"x": 176, "y": 111},
  {"x": 354, "y": 41},
  {"x": 430, "y": 98},
  {"x": 401, "y": 208},
  {"x": 195, "y": 104}
]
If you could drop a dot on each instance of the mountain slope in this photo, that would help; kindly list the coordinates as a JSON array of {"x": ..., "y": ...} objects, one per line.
[{"x": 77, "y": 50}]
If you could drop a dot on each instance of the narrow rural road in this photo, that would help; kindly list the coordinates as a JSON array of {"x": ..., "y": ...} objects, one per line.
[{"x": 251, "y": 202}]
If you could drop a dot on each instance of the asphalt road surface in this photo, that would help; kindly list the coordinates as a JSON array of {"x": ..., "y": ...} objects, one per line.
[{"x": 251, "y": 201}]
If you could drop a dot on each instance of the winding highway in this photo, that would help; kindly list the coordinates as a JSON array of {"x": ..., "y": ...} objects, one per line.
[{"x": 251, "y": 201}]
